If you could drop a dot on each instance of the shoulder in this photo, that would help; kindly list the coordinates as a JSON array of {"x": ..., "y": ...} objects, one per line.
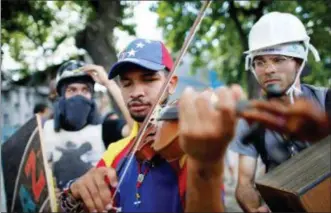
[
  {"x": 116, "y": 150},
  {"x": 316, "y": 89},
  {"x": 319, "y": 88},
  {"x": 237, "y": 144},
  {"x": 318, "y": 93}
]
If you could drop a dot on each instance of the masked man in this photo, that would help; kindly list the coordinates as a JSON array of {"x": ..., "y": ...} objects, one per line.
[{"x": 75, "y": 138}]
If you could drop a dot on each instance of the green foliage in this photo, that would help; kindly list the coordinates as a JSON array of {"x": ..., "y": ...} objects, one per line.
[
  {"x": 222, "y": 38},
  {"x": 40, "y": 27},
  {"x": 34, "y": 28},
  {"x": 27, "y": 22}
]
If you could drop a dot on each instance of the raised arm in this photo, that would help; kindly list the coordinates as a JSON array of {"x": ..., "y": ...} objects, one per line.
[{"x": 99, "y": 74}]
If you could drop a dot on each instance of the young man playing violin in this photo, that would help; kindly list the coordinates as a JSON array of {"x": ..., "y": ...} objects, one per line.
[{"x": 192, "y": 183}]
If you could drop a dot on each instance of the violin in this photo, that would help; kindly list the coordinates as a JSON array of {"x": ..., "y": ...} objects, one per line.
[{"x": 161, "y": 137}]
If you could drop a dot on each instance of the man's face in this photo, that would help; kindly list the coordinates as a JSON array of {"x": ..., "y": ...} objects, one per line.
[
  {"x": 140, "y": 89},
  {"x": 275, "y": 69},
  {"x": 77, "y": 89}
]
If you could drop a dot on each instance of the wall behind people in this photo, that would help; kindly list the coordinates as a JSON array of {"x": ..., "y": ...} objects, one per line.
[
  {"x": 17, "y": 104},
  {"x": 3, "y": 207}
]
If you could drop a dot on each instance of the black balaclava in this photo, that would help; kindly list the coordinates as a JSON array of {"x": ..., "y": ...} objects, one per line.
[{"x": 73, "y": 114}]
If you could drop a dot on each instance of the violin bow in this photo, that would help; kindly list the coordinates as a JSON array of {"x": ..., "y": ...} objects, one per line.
[{"x": 149, "y": 117}]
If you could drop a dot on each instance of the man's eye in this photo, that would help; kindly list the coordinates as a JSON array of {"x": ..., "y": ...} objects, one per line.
[
  {"x": 259, "y": 63},
  {"x": 149, "y": 79},
  {"x": 278, "y": 60},
  {"x": 126, "y": 83}
]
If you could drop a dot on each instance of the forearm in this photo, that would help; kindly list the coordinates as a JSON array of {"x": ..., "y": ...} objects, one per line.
[
  {"x": 203, "y": 187},
  {"x": 116, "y": 94},
  {"x": 247, "y": 196}
]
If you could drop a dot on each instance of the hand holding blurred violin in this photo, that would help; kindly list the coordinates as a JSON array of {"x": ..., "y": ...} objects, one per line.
[
  {"x": 206, "y": 130},
  {"x": 303, "y": 120}
]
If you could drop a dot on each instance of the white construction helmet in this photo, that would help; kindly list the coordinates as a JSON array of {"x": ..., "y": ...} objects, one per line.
[
  {"x": 279, "y": 33},
  {"x": 276, "y": 28}
]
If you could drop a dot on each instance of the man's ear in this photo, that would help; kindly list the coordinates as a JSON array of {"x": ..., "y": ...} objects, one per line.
[{"x": 172, "y": 84}]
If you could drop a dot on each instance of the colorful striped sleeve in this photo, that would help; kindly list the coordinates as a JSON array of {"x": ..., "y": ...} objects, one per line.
[{"x": 115, "y": 149}]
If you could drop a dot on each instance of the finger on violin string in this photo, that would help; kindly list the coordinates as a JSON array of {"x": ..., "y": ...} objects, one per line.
[
  {"x": 274, "y": 107},
  {"x": 269, "y": 120},
  {"x": 306, "y": 108},
  {"x": 226, "y": 99},
  {"x": 238, "y": 92},
  {"x": 209, "y": 97},
  {"x": 187, "y": 110},
  {"x": 204, "y": 107},
  {"x": 227, "y": 108}
]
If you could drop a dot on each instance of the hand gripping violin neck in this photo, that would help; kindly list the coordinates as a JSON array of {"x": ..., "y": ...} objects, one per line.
[{"x": 161, "y": 137}]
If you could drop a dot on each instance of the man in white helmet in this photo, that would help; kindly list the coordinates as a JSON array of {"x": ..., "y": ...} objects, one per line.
[{"x": 278, "y": 51}]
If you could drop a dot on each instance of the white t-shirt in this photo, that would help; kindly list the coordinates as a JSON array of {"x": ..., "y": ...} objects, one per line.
[{"x": 72, "y": 153}]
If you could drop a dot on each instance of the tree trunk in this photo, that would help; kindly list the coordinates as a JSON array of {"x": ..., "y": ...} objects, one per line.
[
  {"x": 253, "y": 86},
  {"x": 97, "y": 37}
]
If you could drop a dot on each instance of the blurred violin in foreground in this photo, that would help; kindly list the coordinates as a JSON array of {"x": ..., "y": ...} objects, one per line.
[{"x": 303, "y": 120}]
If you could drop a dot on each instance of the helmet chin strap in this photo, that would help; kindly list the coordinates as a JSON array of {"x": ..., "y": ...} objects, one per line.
[{"x": 292, "y": 91}]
